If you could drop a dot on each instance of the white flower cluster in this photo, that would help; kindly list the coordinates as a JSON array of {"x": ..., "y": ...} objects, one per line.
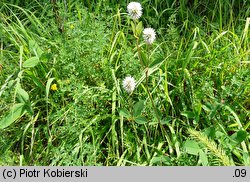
[
  {"x": 149, "y": 35},
  {"x": 129, "y": 84},
  {"x": 134, "y": 10}
]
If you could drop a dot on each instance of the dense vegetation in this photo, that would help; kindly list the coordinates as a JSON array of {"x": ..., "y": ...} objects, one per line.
[{"x": 62, "y": 65}]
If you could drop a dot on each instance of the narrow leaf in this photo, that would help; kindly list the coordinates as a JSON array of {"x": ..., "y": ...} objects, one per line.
[
  {"x": 139, "y": 28},
  {"x": 48, "y": 87}
]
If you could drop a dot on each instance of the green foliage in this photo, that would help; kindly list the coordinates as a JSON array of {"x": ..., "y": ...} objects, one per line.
[
  {"x": 191, "y": 101},
  {"x": 210, "y": 145},
  {"x": 15, "y": 112}
]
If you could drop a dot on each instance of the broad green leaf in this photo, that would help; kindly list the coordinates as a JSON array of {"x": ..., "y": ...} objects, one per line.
[
  {"x": 16, "y": 112},
  {"x": 138, "y": 107},
  {"x": 140, "y": 120},
  {"x": 192, "y": 147},
  {"x": 210, "y": 132},
  {"x": 31, "y": 62},
  {"x": 35, "y": 47},
  {"x": 166, "y": 120},
  {"x": 203, "y": 158},
  {"x": 11, "y": 83},
  {"x": 161, "y": 160},
  {"x": 188, "y": 114},
  {"x": 125, "y": 113},
  {"x": 23, "y": 95},
  {"x": 241, "y": 136}
]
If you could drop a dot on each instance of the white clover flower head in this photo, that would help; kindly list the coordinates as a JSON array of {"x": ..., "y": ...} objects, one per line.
[
  {"x": 149, "y": 35},
  {"x": 129, "y": 84},
  {"x": 134, "y": 10}
]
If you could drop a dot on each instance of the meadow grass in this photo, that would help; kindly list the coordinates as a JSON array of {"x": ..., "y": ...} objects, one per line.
[{"x": 62, "y": 66}]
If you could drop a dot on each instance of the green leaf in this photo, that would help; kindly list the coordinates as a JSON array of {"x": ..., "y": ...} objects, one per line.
[
  {"x": 190, "y": 54},
  {"x": 45, "y": 57},
  {"x": 48, "y": 87},
  {"x": 36, "y": 80},
  {"x": 144, "y": 58},
  {"x": 31, "y": 62},
  {"x": 125, "y": 113},
  {"x": 188, "y": 114},
  {"x": 23, "y": 95},
  {"x": 215, "y": 108},
  {"x": 203, "y": 158},
  {"x": 161, "y": 160},
  {"x": 210, "y": 132},
  {"x": 192, "y": 147},
  {"x": 138, "y": 107},
  {"x": 133, "y": 28},
  {"x": 11, "y": 83},
  {"x": 156, "y": 62},
  {"x": 35, "y": 48},
  {"x": 241, "y": 136},
  {"x": 16, "y": 112},
  {"x": 139, "y": 28},
  {"x": 246, "y": 158},
  {"x": 166, "y": 120},
  {"x": 158, "y": 113},
  {"x": 140, "y": 120}
]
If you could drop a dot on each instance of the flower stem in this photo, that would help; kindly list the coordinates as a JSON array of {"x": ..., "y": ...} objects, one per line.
[
  {"x": 139, "y": 51},
  {"x": 146, "y": 73},
  {"x": 163, "y": 131}
]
